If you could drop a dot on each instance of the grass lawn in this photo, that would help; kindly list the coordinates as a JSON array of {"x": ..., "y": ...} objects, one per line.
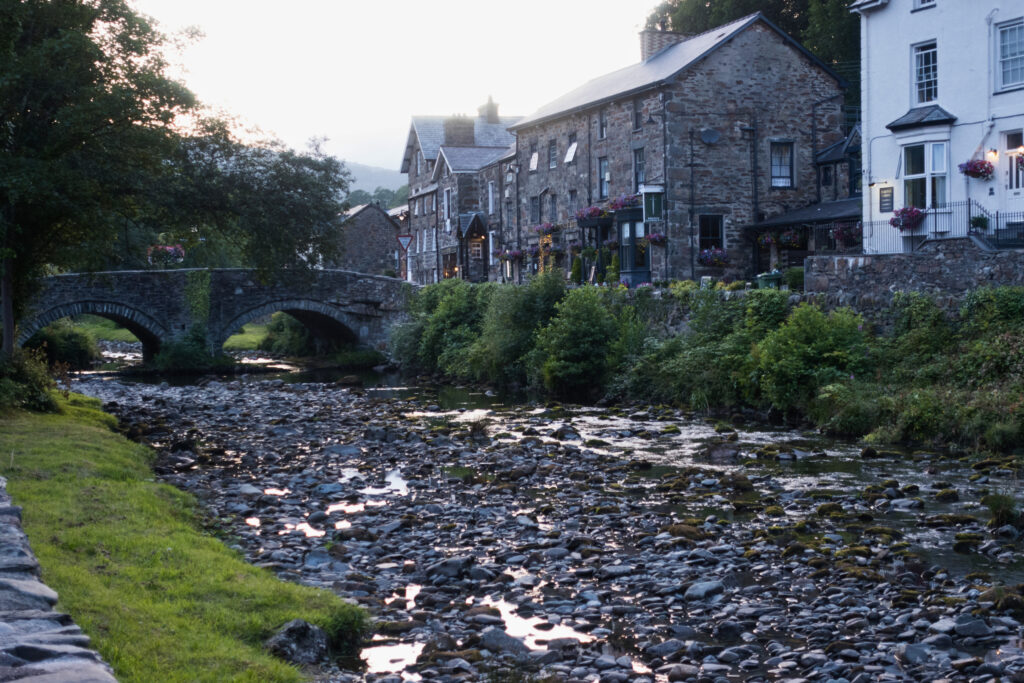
[
  {"x": 161, "y": 597},
  {"x": 102, "y": 329},
  {"x": 246, "y": 340}
]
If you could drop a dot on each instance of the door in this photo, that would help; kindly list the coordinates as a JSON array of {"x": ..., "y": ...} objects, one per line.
[{"x": 634, "y": 253}]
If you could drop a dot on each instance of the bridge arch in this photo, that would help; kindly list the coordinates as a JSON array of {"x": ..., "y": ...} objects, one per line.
[
  {"x": 321, "y": 319},
  {"x": 148, "y": 330}
]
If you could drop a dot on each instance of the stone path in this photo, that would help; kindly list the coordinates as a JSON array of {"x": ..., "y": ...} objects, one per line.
[{"x": 37, "y": 644}]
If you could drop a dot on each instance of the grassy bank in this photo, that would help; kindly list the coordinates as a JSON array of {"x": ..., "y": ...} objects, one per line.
[
  {"x": 102, "y": 329},
  {"x": 927, "y": 375},
  {"x": 248, "y": 339},
  {"x": 160, "y": 596}
]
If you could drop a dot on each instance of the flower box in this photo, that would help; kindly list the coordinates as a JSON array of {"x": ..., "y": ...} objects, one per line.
[
  {"x": 714, "y": 257},
  {"x": 907, "y": 218}
]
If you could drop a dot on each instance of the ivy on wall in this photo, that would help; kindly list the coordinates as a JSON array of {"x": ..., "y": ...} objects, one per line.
[{"x": 197, "y": 295}]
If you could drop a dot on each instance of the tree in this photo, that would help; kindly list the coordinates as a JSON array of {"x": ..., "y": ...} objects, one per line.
[{"x": 86, "y": 116}]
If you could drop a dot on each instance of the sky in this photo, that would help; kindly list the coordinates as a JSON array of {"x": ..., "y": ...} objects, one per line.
[{"x": 356, "y": 71}]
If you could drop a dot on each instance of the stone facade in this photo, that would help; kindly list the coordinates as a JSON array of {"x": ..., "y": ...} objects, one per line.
[
  {"x": 706, "y": 136},
  {"x": 370, "y": 242},
  {"x": 155, "y": 305},
  {"x": 945, "y": 268}
]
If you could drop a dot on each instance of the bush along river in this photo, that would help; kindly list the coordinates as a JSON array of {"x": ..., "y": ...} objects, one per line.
[{"x": 516, "y": 542}]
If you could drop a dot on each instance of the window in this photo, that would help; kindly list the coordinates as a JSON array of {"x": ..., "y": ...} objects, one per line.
[
  {"x": 604, "y": 178},
  {"x": 574, "y": 203},
  {"x": 926, "y": 73},
  {"x": 1015, "y": 157},
  {"x": 826, "y": 176},
  {"x": 638, "y": 114},
  {"x": 1011, "y": 54},
  {"x": 552, "y": 154},
  {"x": 490, "y": 197},
  {"x": 553, "y": 209},
  {"x": 416, "y": 207},
  {"x": 509, "y": 209},
  {"x": 570, "y": 153},
  {"x": 446, "y": 207},
  {"x": 476, "y": 249},
  {"x": 923, "y": 4},
  {"x": 782, "y": 164},
  {"x": 533, "y": 157},
  {"x": 490, "y": 241},
  {"x": 535, "y": 209},
  {"x": 639, "y": 174},
  {"x": 602, "y": 124},
  {"x": 654, "y": 206},
  {"x": 924, "y": 175},
  {"x": 711, "y": 236},
  {"x": 433, "y": 202}
]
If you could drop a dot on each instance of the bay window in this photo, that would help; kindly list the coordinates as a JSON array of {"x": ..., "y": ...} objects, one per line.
[{"x": 925, "y": 172}]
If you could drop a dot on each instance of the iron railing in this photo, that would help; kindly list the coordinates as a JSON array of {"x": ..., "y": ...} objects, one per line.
[{"x": 954, "y": 220}]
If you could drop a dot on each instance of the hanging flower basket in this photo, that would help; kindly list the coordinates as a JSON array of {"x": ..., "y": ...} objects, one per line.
[
  {"x": 659, "y": 239},
  {"x": 847, "y": 234},
  {"x": 713, "y": 257},
  {"x": 545, "y": 229},
  {"x": 767, "y": 239},
  {"x": 907, "y": 218},
  {"x": 611, "y": 244},
  {"x": 977, "y": 168}
]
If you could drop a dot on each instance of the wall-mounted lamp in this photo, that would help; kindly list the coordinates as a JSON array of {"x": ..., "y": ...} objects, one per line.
[
  {"x": 993, "y": 154},
  {"x": 651, "y": 115}
]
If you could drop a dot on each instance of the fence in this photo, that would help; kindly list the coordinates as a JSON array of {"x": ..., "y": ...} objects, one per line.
[{"x": 954, "y": 220}]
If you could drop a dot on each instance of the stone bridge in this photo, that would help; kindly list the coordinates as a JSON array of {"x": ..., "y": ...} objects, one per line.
[{"x": 163, "y": 305}]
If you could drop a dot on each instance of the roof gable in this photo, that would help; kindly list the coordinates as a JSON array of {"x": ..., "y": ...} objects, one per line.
[{"x": 428, "y": 132}]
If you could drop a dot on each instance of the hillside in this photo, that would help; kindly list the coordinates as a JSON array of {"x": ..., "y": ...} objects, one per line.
[{"x": 369, "y": 178}]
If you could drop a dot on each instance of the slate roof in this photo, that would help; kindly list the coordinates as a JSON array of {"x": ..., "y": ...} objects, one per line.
[
  {"x": 656, "y": 70},
  {"x": 826, "y": 212},
  {"x": 356, "y": 210},
  {"x": 466, "y": 221},
  {"x": 839, "y": 150},
  {"x": 429, "y": 130},
  {"x": 867, "y": 4},
  {"x": 932, "y": 115},
  {"x": 466, "y": 159}
]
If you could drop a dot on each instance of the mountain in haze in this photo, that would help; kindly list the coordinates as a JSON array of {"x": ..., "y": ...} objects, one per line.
[{"x": 369, "y": 178}]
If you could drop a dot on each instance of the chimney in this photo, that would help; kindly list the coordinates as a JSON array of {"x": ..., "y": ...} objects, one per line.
[
  {"x": 459, "y": 131},
  {"x": 653, "y": 41},
  {"x": 489, "y": 111}
]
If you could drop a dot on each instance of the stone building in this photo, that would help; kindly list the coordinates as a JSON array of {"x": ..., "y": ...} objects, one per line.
[
  {"x": 455, "y": 191},
  {"x": 370, "y": 241},
  {"x": 713, "y": 132}
]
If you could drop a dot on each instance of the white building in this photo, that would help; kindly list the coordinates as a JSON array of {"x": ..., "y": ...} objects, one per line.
[{"x": 942, "y": 84}]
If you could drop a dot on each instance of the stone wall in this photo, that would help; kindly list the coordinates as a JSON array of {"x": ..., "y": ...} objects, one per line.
[
  {"x": 369, "y": 242},
  {"x": 946, "y": 269},
  {"x": 36, "y": 643}
]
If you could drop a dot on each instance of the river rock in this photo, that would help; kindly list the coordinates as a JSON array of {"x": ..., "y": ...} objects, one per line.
[{"x": 298, "y": 642}]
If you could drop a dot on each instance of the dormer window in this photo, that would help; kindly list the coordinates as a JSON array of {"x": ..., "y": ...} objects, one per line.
[
  {"x": 926, "y": 73},
  {"x": 923, "y": 4}
]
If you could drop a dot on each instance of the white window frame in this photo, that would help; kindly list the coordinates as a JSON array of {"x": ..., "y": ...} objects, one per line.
[
  {"x": 925, "y": 75},
  {"x": 534, "y": 157},
  {"x": 1013, "y": 61},
  {"x": 935, "y": 174},
  {"x": 490, "y": 197},
  {"x": 782, "y": 181},
  {"x": 1014, "y": 161},
  {"x": 552, "y": 154},
  {"x": 639, "y": 168},
  {"x": 923, "y": 4},
  {"x": 446, "y": 206},
  {"x": 490, "y": 250},
  {"x": 570, "y": 153},
  {"x": 602, "y": 124},
  {"x": 604, "y": 178}
]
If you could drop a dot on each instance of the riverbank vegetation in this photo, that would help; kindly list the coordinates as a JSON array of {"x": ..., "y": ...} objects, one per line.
[
  {"x": 921, "y": 374},
  {"x": 136, "y": 564}
]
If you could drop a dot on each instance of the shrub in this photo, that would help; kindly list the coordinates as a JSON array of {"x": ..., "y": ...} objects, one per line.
[
  {"x": 810, "y": 350},
  {"x": 189, "y": 354},
  {"x": 25, "y": 382},
  {"x": 510, "y": 322},
  {"x": 991, "y": 309},
  {"x": 65, "y": 343},
  {"x": 574, "y": 346},
  {"x": 287, "y": 336},
  {"x": 794, "y": 278},
  {"x": 611, "y": 275},
  {"x": 576, "y": 275}
]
